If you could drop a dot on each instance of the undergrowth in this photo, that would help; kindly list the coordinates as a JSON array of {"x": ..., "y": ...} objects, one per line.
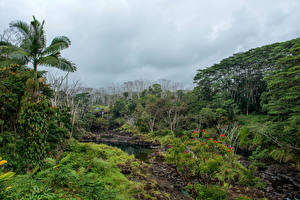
[{"x": 82, "y": 171}]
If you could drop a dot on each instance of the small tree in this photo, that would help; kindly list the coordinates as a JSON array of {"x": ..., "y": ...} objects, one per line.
[{"x": 33, "y": 49}]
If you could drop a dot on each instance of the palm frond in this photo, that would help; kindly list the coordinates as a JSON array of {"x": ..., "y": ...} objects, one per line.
[
  {"x": 12, "y": 50},
  {"x": 20, "y": 55},
  {"x": 13, "y": 55},
  {"x": 26, "y": 44},
  {"x": 49, "y": 61},
  {"x": 66, "y": 65},
  {"x": 55, "y": 60},
  {"x": 35, "y": 24},
  {"x": 22, "y": 27},
  {"x": 38, "y": 39},
  {"x": 43, "y": 36},
  {"x": 57, "y": 44}
]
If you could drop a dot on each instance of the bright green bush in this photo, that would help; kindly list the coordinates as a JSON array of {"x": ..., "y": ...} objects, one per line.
[
  {"x": 258, "y": 157},
  {"x": 199, "y": 156},
  {"x": 84, "y": 171},
  {"x": 207, "y": 161},
  {"x": 209, "y": 192},
  {"x": 24, "y": 187}
]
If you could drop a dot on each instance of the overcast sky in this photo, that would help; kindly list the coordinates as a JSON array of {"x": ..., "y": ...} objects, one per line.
[{"x": 120, "y": 40}]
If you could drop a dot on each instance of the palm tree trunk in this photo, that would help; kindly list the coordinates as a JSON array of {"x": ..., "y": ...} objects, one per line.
[
  {"x": 35, "y": 70},
  {"x": 36, "y": 84}
]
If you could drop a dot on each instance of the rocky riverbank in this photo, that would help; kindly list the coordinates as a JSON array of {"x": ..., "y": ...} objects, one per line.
[
  {"x": 282, "y": 181},
  {"x": 117, "y": 137}
]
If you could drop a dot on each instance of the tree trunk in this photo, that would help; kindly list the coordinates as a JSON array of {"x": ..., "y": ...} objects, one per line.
[{"x": 36, "y": 82}]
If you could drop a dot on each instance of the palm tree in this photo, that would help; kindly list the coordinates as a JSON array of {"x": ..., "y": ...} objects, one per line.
[{"x": 33, "y": 48}]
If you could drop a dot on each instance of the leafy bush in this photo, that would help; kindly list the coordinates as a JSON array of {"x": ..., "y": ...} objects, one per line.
[
  {"x": 248, "y": 139},
  {"x": 162, "y": 132},
  {"x": 282, "y": 155},
  {"x": 99, "y": 124},
  {"x": 126, "y": 128},
  {"x": 24, "y": 187},
  {"x": 199, "y": 156},
  {"x": 83, "y": 171},
  {"x": 248, "y": 178},
  {"x": 209, "y": 192},
  {"x": 258, "y": 157},
  {"x": 33, "y": 130},
  {"x": 27, "y": 120},
  {"x": 3, "y": 178},
  {"x": 205, "y": 161}
]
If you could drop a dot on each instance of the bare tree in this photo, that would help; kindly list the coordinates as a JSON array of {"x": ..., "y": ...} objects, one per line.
[
  {"x": 65, "y": 93},
  {"x": 173, "y": 109},
  {"x": 56, "y": 82},
  {"x": 232, "y": 132}
]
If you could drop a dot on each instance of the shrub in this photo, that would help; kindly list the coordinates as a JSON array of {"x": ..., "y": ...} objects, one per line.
[
  {"x": 205, "y": 161},
  {"x": 209, "y": 192},
  {"x": 199, "y": 156},
  {"x": 84, "y": 171},
  {"x": 3, "y": 178},
  {"x": 249, "y": 140},
  {"x": 162, "y": 132},
  {"x": 258, "y": 157}
]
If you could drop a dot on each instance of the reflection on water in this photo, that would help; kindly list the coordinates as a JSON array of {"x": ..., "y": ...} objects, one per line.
[{"x": 139, "y": 152}]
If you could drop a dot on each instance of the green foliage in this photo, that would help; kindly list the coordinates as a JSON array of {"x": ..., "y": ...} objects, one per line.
[
  {"x": 119, "y": 109},
  {"x": 248, "y": 178},
  {"x": 259, "y": 156},
  {"x": 249, "y": 140},
  {"x": 24, "y": 187},
  {"x": 209, "y": 192},
  {"x": 237, "y": 82},
  {"x": 162, "y": 132},
  {"x": 282, "y": 155},
  {"x": 26, "y": 124},
  {"x": 3, "y": 178},
  {"x": 207, "y": 117},
  {"x": 83, "y": 171},
  {"x": 155, "y": 90},
  {"x": 33, "y": 131},
  {"x": 282, "y": 100},
  {"x": 126, "y": 128},
  {"x": 268, "y": 138},
  {"x": 203, "y": 159},
  {"x": 82, "y": 181},
  {"x": 12, "y": 91}
]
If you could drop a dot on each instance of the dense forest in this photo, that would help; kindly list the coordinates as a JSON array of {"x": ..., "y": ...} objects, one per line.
[{"x": 222, "y": 139}]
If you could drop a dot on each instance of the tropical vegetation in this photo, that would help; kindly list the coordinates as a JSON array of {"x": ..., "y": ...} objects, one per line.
[{"x": 248, "y": 104}]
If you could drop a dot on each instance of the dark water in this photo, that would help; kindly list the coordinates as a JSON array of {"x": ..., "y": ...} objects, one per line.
[{"x": 139, "y": 152}]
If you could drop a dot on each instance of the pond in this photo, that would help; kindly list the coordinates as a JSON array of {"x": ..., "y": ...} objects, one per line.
[{"x": 140, "y": 152}]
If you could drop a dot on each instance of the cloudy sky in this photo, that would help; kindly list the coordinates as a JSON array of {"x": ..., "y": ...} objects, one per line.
[{"x": 119, "y": 40}]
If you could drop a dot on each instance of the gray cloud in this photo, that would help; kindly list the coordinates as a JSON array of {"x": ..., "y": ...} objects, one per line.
[{"x": 121, "y": 40}]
